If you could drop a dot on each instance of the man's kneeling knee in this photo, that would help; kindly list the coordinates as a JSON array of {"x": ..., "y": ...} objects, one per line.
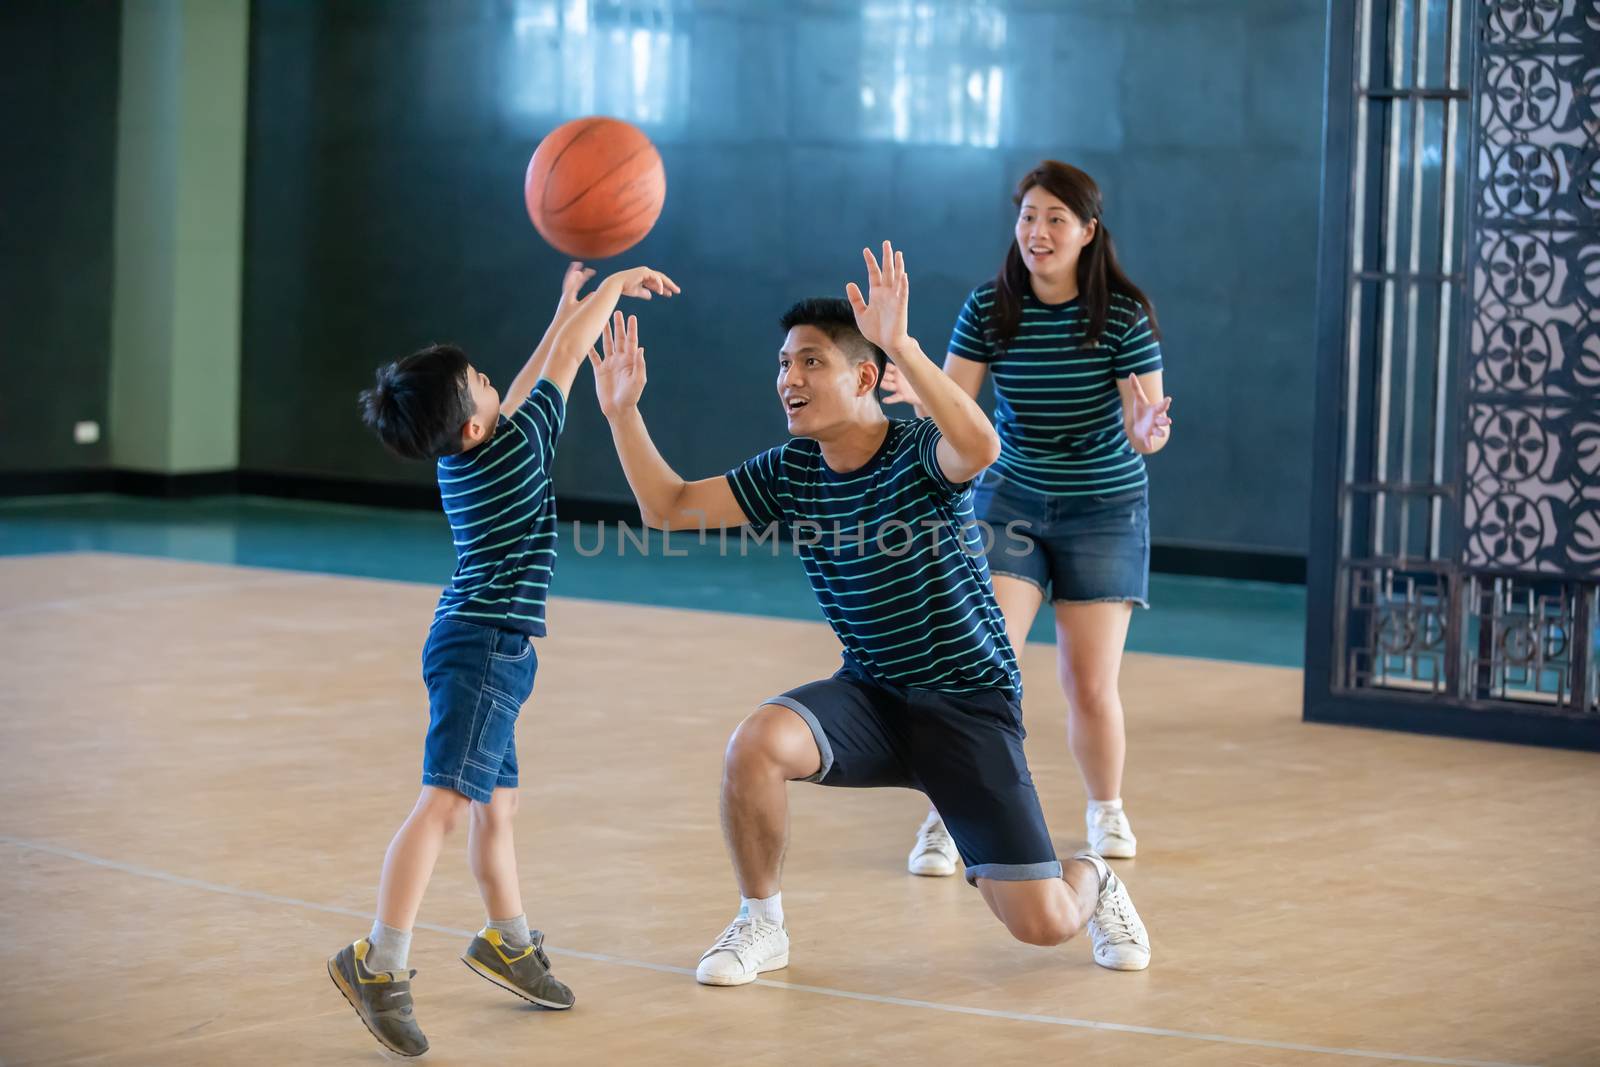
[{"x": 1045, "y": 928}]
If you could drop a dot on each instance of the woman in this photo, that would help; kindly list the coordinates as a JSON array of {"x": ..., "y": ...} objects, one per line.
[{"x": 1074, "y": 350}]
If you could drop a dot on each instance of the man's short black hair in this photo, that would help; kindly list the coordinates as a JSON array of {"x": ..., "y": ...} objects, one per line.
[
  {"x": 419, "y": 404},
  {"x": 832, "y": 315}
]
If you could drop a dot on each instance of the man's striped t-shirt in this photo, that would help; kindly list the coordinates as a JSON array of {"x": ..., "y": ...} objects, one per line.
[
  {"x": 502, "y": 513},
  {"x": 1057, "y": 406},
  {"x": 895, "y": 558}
]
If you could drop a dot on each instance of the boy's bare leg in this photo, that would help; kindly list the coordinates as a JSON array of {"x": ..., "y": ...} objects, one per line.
[
  {"x": 372, "y": 972},
  {"x": 409, "y": 863},
  {"x": 492, "y": 855},
  {"x": 505, "y": 951}
]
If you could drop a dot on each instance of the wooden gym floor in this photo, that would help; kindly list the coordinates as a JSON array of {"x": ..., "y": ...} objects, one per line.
[{"x": 201, "y": 766}]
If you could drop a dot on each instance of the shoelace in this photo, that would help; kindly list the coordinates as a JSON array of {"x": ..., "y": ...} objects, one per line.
[
  {"x": 1112, "y": 822},
  {"x": 742, "y": 935},
  {"x": 1117, "y": 926},
  {"x": 934, "y": 839}
]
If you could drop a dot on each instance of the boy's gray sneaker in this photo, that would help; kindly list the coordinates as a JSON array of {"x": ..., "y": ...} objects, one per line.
[
  {"x": 381, "y": 998},
  {"x": 524, "y": 971}
]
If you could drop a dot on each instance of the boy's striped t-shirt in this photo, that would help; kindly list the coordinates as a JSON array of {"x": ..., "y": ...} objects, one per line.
[
  {"x": 502, "y": 513},
  {"x": 895, "y": 558},
  {"x": 1057, "y": 406}
]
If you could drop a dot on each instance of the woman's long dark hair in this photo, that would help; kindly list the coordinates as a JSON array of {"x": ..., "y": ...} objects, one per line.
[{"x": 1099, "y": 273}]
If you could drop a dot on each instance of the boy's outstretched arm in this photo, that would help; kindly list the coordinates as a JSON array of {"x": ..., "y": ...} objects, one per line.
[
  {"x": 583, "y": 326},
  {"x": 666, "y": 501},
  {"x": 577, "y": 274}
]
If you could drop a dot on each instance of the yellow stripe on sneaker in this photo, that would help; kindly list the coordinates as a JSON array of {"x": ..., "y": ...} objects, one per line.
[
  {"x": 496, "y": 939},
  {"x": 378, "y": 977}
]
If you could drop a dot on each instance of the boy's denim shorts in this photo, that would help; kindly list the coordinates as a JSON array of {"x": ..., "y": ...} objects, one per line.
[
  {"x": 1076, "y": 549},
  {"x": 478, "y": 678}
]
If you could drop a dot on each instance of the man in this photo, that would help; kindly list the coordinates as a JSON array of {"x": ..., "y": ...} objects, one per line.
[{"x": 928, "y": 694}]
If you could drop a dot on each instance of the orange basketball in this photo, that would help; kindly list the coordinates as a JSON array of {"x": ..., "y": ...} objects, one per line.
[{"x": 594, "y": 187}]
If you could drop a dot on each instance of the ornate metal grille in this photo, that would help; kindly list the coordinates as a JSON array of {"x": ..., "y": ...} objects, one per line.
[{"x": 1457, "y": 551}]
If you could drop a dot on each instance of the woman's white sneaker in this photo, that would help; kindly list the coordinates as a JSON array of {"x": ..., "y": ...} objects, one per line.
[
  {"x": 934, "y": 855},
  {"x": 1120, "y": 940},
  {"x": 748, "y": 947},
  {"x": 1109, "y": 832}
]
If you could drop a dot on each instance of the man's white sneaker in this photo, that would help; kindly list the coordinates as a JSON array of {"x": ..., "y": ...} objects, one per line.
[
  {"x": 748, "y": 947},
  {"x": 1120, "y": 939},
  {"x": 1109, "y": 832},
  {"x": 934, "y": 855}
]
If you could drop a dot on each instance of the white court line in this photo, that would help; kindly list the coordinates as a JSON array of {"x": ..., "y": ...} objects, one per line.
[{"x": 870, "y": 998}]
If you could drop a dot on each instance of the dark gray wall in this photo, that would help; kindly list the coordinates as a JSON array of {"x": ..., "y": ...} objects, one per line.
[
  {"x": 58, "y": 99},
  {"x": 388, "y": 142}
]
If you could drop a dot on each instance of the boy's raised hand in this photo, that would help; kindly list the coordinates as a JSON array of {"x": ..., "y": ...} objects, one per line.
[
  {"x": 572, "y": 281},
  {"x": 643, "y": 283},
  {"x": 619, "y": 378},
  {"x": 589, "y": 322}
]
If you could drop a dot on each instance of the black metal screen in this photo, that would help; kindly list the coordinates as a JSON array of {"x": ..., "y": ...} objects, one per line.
[{"x": 1456, "y": 534}]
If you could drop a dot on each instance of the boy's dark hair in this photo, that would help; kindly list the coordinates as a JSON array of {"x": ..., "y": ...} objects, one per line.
[
  {"x": 832, "y": 315},
  {"x": 418, "y": 404}
]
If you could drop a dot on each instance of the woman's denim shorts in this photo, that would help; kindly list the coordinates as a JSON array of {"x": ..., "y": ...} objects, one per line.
[{"x": 1076, "y": 549}]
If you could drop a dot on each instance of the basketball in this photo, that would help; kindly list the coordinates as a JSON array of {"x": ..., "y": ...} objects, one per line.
[{"x": 594, "y": 187}]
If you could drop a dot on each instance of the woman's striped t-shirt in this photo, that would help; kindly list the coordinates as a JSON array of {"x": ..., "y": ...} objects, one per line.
[
  {"x": 895, "y": 558},
  {"x": 502, "y": 513},
  {"x": 1057, "y": 406}
]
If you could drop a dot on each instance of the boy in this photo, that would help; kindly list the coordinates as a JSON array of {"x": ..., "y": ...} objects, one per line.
[{"x": 494, "y": 459}]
